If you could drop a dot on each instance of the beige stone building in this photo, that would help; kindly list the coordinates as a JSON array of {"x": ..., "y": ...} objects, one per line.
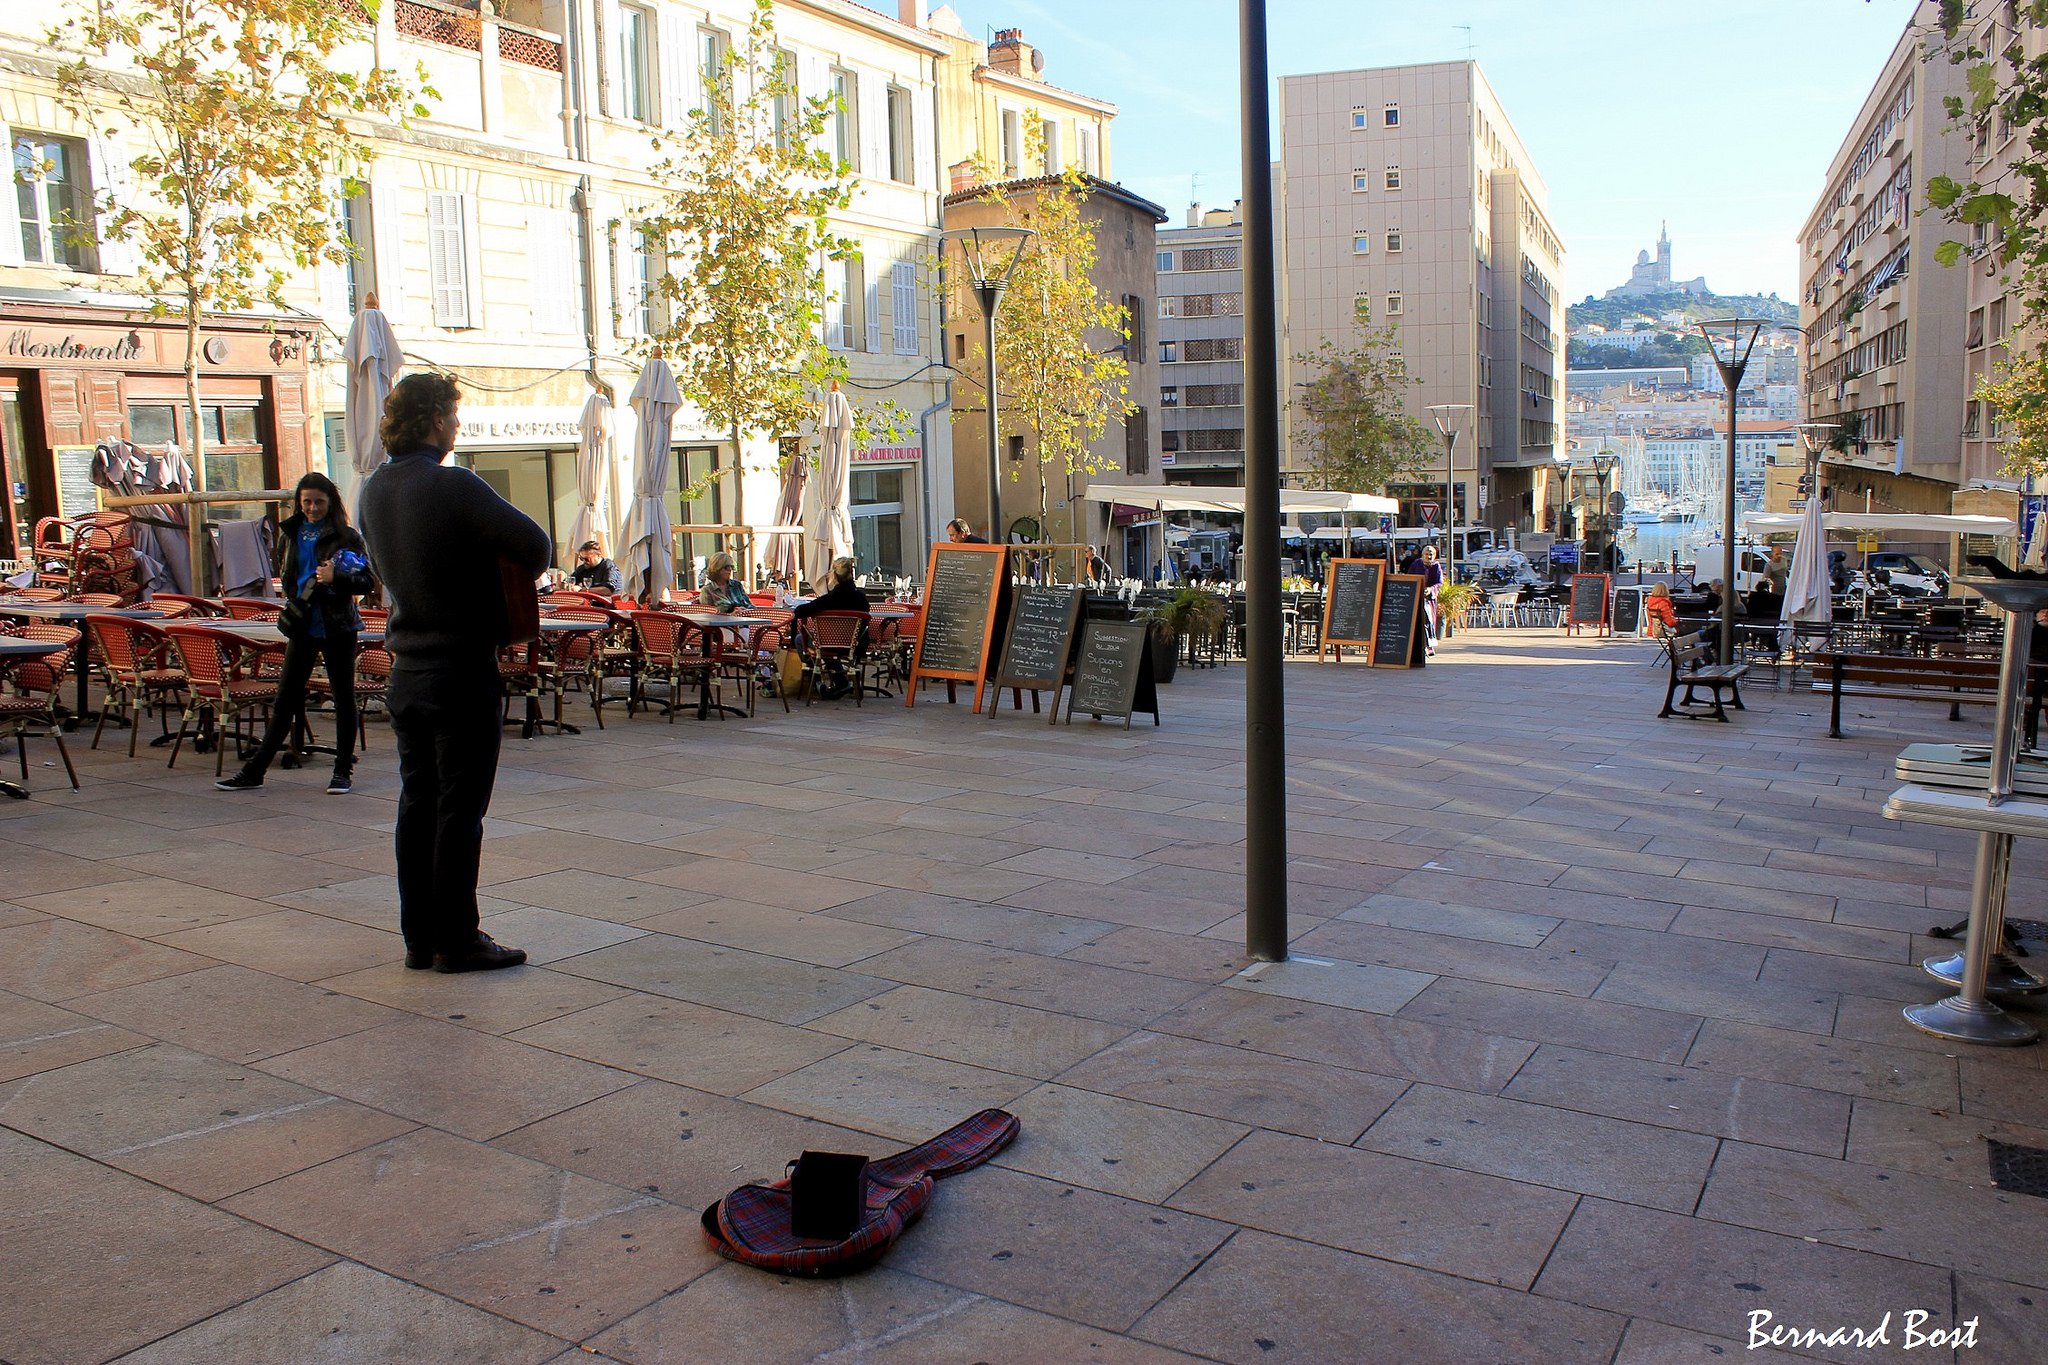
[
  {"x": 1125, "y": 236},
  {"x": 1884, "y": 322},
  {"x": 1406, "y": 190},
  {"x": 498, "y": 235}
]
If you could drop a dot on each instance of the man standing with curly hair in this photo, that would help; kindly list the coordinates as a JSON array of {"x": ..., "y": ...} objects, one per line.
[{"x": 436, "y": 536}]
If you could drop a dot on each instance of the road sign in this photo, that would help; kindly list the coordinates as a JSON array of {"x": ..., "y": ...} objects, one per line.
[
  {"x": 1429, "y": 510},
  {"x": 1866, "y": 543},
  {"x": 1797, "y": 504},
  {"x": 1386, "y": 522}
]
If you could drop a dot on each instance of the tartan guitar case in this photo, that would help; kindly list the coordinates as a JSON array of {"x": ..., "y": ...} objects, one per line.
[{"x": 753, "y": 1223}]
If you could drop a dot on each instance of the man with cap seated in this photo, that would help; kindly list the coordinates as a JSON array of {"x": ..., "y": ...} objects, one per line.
[{"x": 595, "y": 573}]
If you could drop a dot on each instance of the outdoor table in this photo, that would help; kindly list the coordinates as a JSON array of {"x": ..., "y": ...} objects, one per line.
[
  {"x": 14, "y": 648},
  {"x": 731, "y": 624},
  {"x": 73, "y": 614}
]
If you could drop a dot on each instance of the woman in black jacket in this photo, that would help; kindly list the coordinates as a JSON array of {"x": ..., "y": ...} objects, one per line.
[{"x": 323, "y": 569}]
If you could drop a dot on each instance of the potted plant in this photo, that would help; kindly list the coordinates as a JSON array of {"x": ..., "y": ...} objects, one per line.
[
  {"x": 1453, "y": 600},
  {"x": 1188, "y": 612}
]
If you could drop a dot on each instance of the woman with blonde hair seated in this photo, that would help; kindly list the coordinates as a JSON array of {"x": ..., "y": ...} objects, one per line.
[
  {"x": 1662, "y": 611},
  {"x": 720, "y": 591}
]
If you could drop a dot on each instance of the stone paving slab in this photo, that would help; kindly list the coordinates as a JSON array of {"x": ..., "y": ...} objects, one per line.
[{"x": 1590, "y": 1047}]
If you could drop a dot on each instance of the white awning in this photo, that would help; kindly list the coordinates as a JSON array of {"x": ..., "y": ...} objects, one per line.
[
  {"x": 1925, "y": 523},
  {"x": 1190, "y": 498}
]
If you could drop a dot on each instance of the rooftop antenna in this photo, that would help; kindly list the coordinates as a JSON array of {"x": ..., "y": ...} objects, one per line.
[{"x": 1466, "y": 29}]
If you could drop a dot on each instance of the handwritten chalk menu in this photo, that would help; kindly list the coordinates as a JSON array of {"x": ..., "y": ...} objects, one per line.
[
  {"x": 1628, "y": 612},
  {"x": 1395, "y": 633},
  {"x": 1589, "y": 603},
  {"x": 961, "y": 589},
  {"x": 1351, "y": 604},
  {"x": 1113, "y": 676},
  {"x": 1040, "y": 642}
]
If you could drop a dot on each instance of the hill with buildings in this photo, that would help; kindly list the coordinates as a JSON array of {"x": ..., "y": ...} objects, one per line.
[{"x": 1635, "y": 330}]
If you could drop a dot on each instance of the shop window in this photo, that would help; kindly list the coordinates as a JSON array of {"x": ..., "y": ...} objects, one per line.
[
  {"x": 17, "y": 511},
  {"x": 152, "y": 424},
  {"x": 53, "y": 198},
  {"x": 236, "y": 461}
]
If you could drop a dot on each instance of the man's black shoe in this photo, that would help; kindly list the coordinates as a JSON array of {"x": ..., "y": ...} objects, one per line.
[
  {"x": 339, "y": 784},
  {"x": 483, "y": 956},
  {"x": 242, "y": 781},
  {"x": 419, "y": 959}
]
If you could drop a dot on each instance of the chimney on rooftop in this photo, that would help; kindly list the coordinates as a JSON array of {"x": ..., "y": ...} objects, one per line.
[
  {"x": 1194, "y": 213},
  {"x": 1010, "y": 53},
  {"x": 913, "y": 13}
]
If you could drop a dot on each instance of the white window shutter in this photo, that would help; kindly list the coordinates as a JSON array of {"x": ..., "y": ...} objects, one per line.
[
  {"x": 625, "y": 274},
  {"x": 387, "y": 247},
  {"x": 814, "y": 81},
  {"x": 447, "y": 258},
  {"x": 112, "y": 179},
  {"x": 675, "y": 61},
  {"x": 551, "y": 263},
  {"x": 903, "y": 307},
  {"x": 614, "y": 42},
  {"x": 871, "y": 304},
  {"x": 921, "y": 152},
  {"x": 333, "y": 275},
  {"x": 10, "y": 210},
  {"x": 874, "y": 124}
]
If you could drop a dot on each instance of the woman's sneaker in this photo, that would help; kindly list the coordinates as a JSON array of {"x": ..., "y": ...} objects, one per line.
[
  {"x": 241, "y": 781},
  {"x": 339, "y": 784}
]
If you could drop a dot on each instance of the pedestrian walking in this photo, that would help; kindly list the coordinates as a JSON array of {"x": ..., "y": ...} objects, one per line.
[{"x": 323, "y": 570}]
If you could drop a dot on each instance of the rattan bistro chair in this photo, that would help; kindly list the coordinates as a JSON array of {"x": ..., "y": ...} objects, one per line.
[{"x": 214, "y": 685}]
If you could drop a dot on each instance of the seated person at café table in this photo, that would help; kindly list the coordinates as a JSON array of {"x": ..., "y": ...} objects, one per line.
[
  {"x": 720, "y": 592},
  {"x": 594, "y": 572},
  {"x": 842, "y": 596},
  {"x": 1661, "y": 610}
]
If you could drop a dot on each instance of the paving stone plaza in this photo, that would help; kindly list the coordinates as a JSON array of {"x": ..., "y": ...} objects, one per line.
[{"x": 1589, "y": 1048}]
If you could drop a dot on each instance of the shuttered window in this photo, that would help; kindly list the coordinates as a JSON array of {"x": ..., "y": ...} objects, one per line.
[
  {"x": 903, "y": 306},
  {"x": 1137, "y": 443},
  {"x": 448, "y": 258},
  {"x": 552, "y": 256}
]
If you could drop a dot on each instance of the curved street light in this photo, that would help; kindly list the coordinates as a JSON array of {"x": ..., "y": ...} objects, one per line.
[
  {"x": 991, "y": 255},
  {"x": 1731, "y": 340}
]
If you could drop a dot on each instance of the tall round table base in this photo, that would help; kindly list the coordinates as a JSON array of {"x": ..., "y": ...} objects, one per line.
[
  {"x": 2004, "y": 977},
  {"x": 1962, "y": 1021}
]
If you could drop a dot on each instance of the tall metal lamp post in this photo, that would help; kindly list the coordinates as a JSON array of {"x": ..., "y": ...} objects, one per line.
[
  {"x": 1731, "y": 339},
  {"x": 1603, "y": 469},
  {"x": 991, "y": 255},
  {"x": 1450, "y": 419},
  {"x": 1815, "y": 437}
]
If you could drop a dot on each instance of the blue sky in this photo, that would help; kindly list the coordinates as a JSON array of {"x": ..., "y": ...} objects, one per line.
[{"x": 1719, "y": 116}]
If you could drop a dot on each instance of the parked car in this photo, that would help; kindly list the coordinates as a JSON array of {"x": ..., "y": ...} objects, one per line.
[{"x": 1910, "y": 575}]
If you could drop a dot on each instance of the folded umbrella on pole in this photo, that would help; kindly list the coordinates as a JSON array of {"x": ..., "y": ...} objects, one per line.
[
  {"x": 593, "y": 460},
  {"x": 374, "y": 357},
  {"x": 648, "y": 561},
  {"x": 831, "y": 525}
]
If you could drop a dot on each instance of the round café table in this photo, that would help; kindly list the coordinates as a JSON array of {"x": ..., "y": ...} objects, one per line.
[
  {"x": 73, "y": 614},
  {"x": 734, "y": 625}
]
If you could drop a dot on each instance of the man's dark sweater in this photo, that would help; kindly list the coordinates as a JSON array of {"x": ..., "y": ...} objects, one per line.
[{"x": 436, "y": 534}]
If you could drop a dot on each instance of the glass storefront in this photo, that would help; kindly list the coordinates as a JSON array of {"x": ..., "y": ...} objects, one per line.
[{"x": 877, "y": 502}]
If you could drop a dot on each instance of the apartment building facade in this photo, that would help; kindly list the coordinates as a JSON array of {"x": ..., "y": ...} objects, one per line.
[
  {"x": 498, "y": 234},
  {"x": 1406, "y": 191},
  {"x": 1884, "y": 323},
  {"x": 1200, "y": 350}
]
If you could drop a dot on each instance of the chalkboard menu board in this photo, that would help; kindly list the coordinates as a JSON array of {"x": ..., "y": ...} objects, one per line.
[
  {"x": 1040, "y": 642},
  {"x": 1113, "y": 676},
  {"x": 1400, "y": 619},
  {"x": 961, "y": 587},
  {"x": 1589, "y": 603},
  {"x": 1351, "y": 604},
  {"x": 1628, "y": 611}
]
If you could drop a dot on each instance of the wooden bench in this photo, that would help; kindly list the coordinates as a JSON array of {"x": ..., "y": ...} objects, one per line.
[
  {"x": 1691, "y": 669},
  {"x": 1954, "y": 679}
]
